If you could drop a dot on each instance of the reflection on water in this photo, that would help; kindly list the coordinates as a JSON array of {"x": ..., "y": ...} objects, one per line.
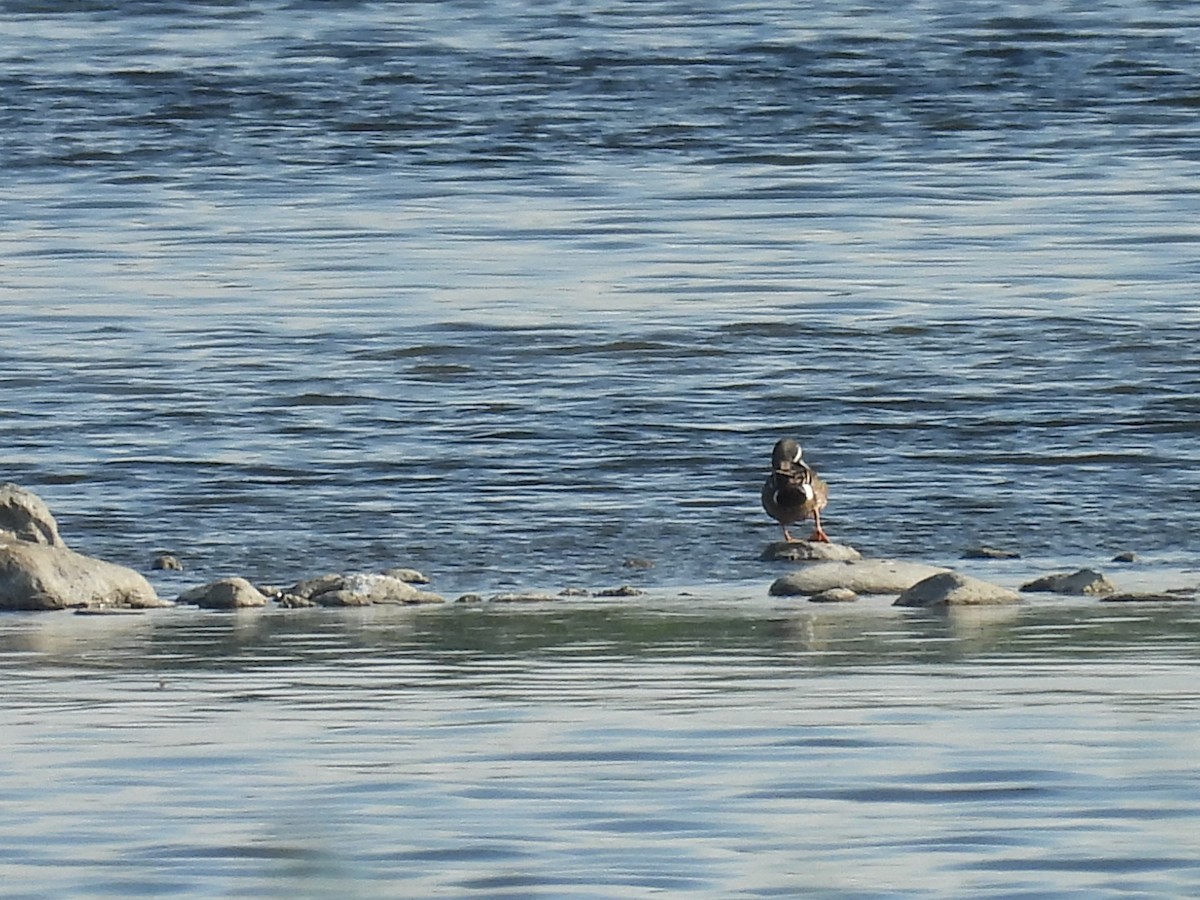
[{"x": 713, "y": 746}]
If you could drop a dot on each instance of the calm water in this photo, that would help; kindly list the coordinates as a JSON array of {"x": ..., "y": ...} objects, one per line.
[
  {"x": 513, "y": 293},
  {"x": 677, "y": 746}
]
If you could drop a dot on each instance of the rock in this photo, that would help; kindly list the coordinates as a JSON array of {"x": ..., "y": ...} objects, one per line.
[
  {"x": 470, "y": 598},
  {"x": 956, "y": 589},
  {"x": 989, "y": 553},
  {"x": 625, "y": 590},
  {"x": 1180, "y": 596},
  {"x": 795, "y": 551},
  {"x": 292, "y": 601},
  {"x": 225, "y": 593},
  {"x": 310, "y": 587},
  {"x": 863, "y": 576},
  {"x": 574, "y": 592},
  {"x": 24, "y": 517},
  {"x": 1084, "y": 581},
  {"x": 834, "y": 595},
  {"x": 1127, "y": 556},
  {"x": 362, "y": 589},
  {"x": 523, "y": 598},
  {"x": 166, "y": 561},
  {"x": 637, "y": 562},
  {"x": 411, "y": 576},
  {"x": 52, "y": 576}
]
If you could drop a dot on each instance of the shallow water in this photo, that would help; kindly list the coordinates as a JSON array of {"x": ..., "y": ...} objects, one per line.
[
  {"x": 711, "y": 746},
  {"x": 516, "y": 293}
]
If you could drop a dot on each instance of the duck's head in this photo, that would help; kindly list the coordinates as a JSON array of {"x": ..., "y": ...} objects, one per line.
[{"x": 787, "y": 453}]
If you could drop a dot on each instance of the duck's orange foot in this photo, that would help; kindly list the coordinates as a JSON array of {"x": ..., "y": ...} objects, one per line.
[{"x": 819, "y": 536}]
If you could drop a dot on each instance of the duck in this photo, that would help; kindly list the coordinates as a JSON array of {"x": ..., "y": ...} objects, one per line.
[{"x": 793, "y": 491}]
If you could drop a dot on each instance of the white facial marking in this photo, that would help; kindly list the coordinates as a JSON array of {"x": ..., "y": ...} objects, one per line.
[{"x": 799, "y": 453}]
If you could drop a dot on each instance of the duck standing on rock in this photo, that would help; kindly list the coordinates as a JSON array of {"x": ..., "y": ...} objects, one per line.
[{"x": 793, "y": 491}]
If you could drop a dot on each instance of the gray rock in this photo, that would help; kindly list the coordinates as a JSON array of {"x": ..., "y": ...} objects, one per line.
[
  {"x": 362, "y": 589},
  {"x": 989, "y": 553},
  {"x": 24, "y": 517},
  {"x": 803, "y": 551},
  {"x": 834, "y": 595},
  {"x": 1127, "y": 556},
  {"x": 310, "y": 587},
  {"x": 292, "y": 601},
  {"x": 956, "y": 589},
  {"x": 1084, "y": 581},
  {"x": 225, "y": 593},
  {"x": 863, "y": 576},
  {"x": 52, "y": 576},
  {"x": 412, "y": 576},
  {"x": 637, "y": 562}
]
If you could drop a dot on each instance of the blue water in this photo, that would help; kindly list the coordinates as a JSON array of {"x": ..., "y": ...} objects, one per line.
[{"x": 515, "y": 293}]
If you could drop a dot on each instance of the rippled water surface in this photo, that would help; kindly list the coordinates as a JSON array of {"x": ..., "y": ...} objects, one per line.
[
  {"x": 516, "y": 293},
  {"x": 688, "y": 746}
]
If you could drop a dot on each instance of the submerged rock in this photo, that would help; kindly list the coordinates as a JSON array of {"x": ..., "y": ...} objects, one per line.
[
  {"x": 956, "y": 589},
  {"x": 516, "y": 597},
  {"x": 799, "y": 551},
  {"x": 1083, "y": 581},
  {"x": 625, "y": 590},
  {"x": 1173, "y": 596},
  {"x": 1126, "y": 556},
  {"x": 166, "y": 562},
  {"x": 985, "y": 552},
  {"x": 225, "y": 593},
  {"x": 863, "y": 576},
  {"x": 834, "y": 595}
]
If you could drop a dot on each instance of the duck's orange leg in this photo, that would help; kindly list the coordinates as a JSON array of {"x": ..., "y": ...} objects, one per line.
[{"x": 818, "y": 534}]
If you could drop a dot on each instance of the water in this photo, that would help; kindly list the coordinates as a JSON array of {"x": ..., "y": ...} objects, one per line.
[
  {"x": 515, "y": 293},
  {"x": 699, "y": 747}
]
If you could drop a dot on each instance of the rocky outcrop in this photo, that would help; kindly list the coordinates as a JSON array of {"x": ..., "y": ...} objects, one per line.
[
  {"x": 863, "y": 576},
  {"x": 38, "y": 570},
  {"x": 1083, "y": 581},
  {"x": 44, "y": 576},
  {"x": 225, "y": 593},
  {"x": 956, "y": 589},
  {"x": 359, "y": 589},
  {"x": 807, "y": 551}
]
